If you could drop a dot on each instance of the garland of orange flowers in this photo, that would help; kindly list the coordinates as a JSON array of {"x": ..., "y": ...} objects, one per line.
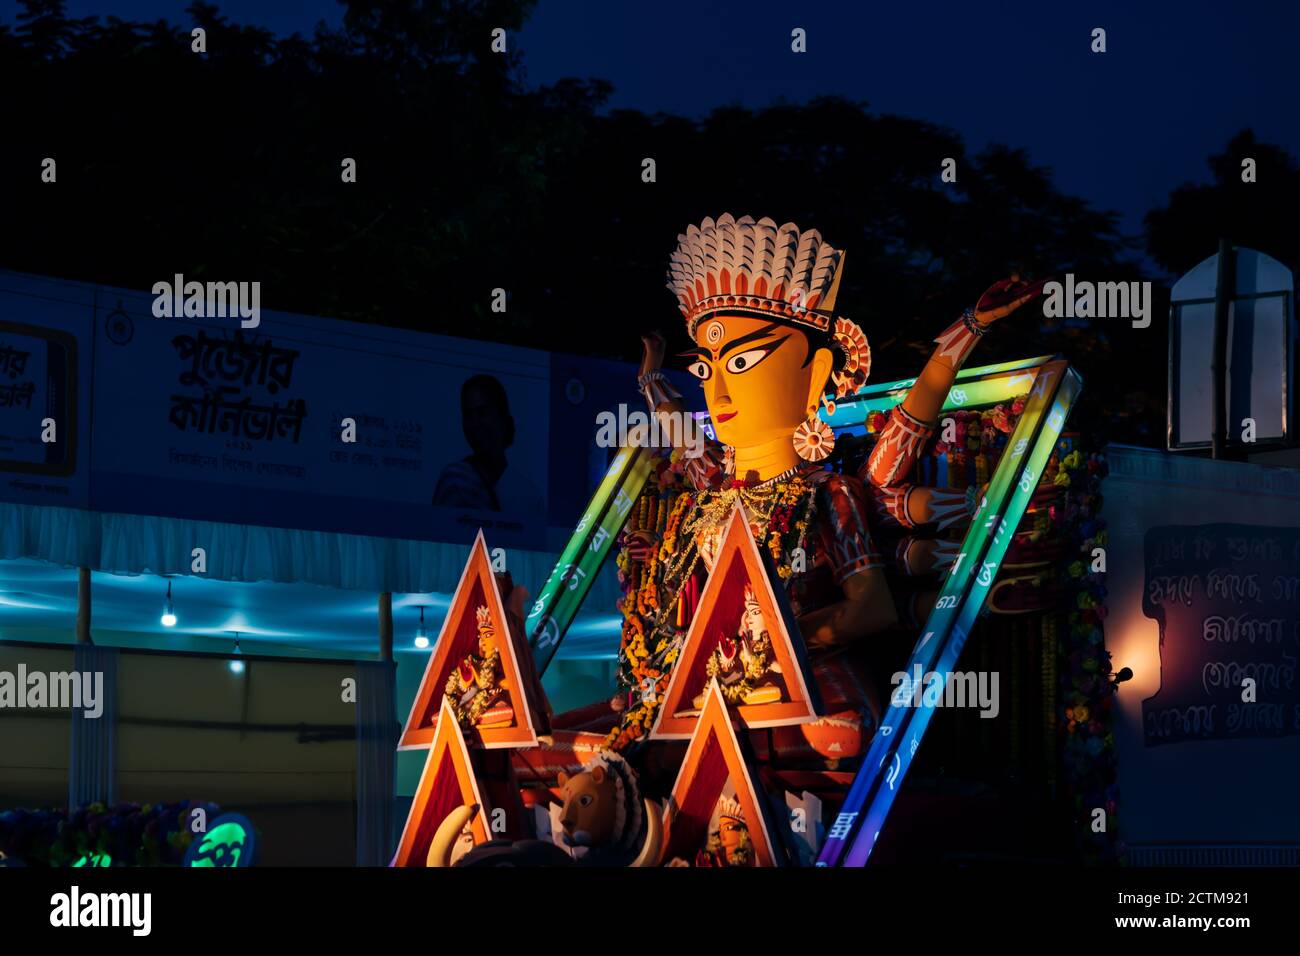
[
  {"x": 651, "y": 585},
  {"x": 980, "y": 437},
  {"x": 753, "y": 670},
  {"x": 485, "y": 670},
  {"x": 639, "y": 673}
]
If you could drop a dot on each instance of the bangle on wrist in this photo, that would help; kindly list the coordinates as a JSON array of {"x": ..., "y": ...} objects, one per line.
[
  {"x": 656, "y": 388},
  {"x": 973, "y": 324}
]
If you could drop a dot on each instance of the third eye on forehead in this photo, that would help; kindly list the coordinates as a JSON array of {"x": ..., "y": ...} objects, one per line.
[
  {"x": 747, "y": 339},
  {"x": 752, "y": 337}
]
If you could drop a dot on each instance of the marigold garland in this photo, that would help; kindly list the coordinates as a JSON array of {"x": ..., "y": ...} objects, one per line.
[
  {"x": 754, "y": 669},
  {"x": 651, "y": 585},
  {"x": 1084, "y": 710},
  {"x": 486, "y": 671}
]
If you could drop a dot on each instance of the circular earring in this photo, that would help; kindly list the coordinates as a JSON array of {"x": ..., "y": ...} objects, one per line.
[{"x": 813, "y": 439}]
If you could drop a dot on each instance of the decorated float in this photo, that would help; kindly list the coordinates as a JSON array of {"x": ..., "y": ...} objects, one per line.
[{"x": 768, "y": 580}]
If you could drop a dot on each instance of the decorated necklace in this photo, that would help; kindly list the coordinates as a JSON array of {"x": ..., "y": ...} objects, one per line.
[
  {"x": 759, "y": 500},
  {"x": 709, "y": 514},
  {"x": 784, "y": 509}
]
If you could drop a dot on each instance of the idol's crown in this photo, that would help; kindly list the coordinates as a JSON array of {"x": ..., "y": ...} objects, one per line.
[{"x": 755, "y": 268}]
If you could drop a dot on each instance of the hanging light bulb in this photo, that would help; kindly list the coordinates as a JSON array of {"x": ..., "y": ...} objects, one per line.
[
  {"x": 168, "y": 618},
  {"x": 421, "y": 635},
  {"x": 236, "y": 665}
]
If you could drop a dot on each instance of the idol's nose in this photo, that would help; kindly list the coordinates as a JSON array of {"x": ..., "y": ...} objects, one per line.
[{"x": 720, "y": 398}]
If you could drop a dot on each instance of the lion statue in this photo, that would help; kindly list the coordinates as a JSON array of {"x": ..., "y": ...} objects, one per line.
[{"x": 603, "y": 815}]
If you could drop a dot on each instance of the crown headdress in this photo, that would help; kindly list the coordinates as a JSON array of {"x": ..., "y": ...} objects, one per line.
[
  {"x": 730, "y": 808},
  {"x": 743, "y": 267}
]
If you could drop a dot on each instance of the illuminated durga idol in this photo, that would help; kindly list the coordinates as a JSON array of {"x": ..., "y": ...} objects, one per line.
[{"x": 755, "y": 576}]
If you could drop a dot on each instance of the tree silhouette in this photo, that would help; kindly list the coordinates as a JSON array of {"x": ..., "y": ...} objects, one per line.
[
  {"x": 227, "y": 165},
  {"x": 1259, "y": 214}
]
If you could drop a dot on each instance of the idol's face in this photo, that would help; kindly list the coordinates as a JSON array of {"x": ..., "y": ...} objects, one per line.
[
  {"x": 732, "y": 835},
  {"x": 758, "y": 377}
]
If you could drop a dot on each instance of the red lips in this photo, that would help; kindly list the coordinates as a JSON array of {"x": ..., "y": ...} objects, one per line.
[{"x": 726, "y": 416}]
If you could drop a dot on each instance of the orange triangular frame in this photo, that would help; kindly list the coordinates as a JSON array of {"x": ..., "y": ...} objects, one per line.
[
  {"x": 447, "y": 782},
  {"x": 458, "y": 635},
  {"x": 739, "y": 562},
  {"x": 715, "y": 756}
]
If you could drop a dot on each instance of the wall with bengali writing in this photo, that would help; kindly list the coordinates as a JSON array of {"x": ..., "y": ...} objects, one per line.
[
  {"x": 583, "y": 388},
  {"x": 201, "y": 419},
  {"x": 1204, "y": 594}
]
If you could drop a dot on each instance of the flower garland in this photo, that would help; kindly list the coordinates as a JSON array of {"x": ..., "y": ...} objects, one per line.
[
  {"x": 1090, "y": 764},
  {"x": 475, "y": 672},
  {"x": 485, "y": 680},
  {"x": 673, "y": 517},
  {"x": 978, "y": 438},
  {"x": 658, "y": 513},
  {"x": 754, "y": 667}
]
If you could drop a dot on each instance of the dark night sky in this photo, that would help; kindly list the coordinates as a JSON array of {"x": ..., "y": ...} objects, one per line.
[{"x": 1120, "y": 129}]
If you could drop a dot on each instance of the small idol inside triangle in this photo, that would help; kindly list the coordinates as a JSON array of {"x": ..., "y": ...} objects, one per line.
[
  {"x": 744, "y": 637},
  {"x": 448, "y": 815},
  {"x": 481, "y": 668},
  {"x": 718, "y": 815}
]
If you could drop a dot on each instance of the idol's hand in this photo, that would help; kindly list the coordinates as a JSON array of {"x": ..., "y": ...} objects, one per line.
[
  {"x": 1003, "y": 298},
  {"x": 652, "y": 354}
]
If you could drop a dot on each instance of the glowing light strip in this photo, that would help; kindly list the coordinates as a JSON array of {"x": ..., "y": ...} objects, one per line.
[
  {"x": 984, "y": 385},
  {"x": 854, "y": 832},
  {"x": 580, "y": 561}
]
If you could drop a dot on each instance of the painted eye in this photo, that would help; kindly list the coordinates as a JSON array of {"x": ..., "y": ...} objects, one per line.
[
  {"x": 701, "y": 370},
  {"x": 747, "y": 360},
  {"x": 585, "y": 800}
]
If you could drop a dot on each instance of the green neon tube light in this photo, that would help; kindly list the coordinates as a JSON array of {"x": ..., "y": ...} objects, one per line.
[
  {"x": 556, "y": 607},
  {"x": 853, "y": 834}
]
